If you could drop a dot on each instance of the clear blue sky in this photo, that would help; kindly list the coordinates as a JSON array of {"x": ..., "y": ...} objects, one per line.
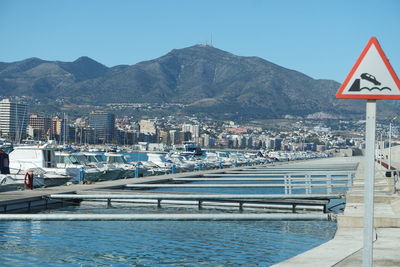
[{"x": 319, "y": 38}]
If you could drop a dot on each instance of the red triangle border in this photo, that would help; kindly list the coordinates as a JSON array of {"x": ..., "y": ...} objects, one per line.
[{"x": 372, "y": 41}]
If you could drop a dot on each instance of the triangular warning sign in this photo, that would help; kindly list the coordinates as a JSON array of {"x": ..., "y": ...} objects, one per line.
[{"x": 372, "y": 77}]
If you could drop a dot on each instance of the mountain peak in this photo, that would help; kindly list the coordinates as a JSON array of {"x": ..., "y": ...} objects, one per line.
[
  {"x": 21, "y": 66},
  {"x": 84, "y": 68},
  {"x": 86, "y": 59},
  {"x": 206, "y": 47},
  {"x": 32, "y": 59},
  {"x": 198, "y": 52}
]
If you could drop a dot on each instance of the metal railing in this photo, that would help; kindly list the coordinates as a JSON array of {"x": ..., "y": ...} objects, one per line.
[{"x": 305, "y": 182}]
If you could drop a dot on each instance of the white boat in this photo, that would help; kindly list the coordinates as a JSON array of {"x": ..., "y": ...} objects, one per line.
[
  {"x": 221, "y": 157},
  {"x": 158, "y": 163},
  {"x": 108, "y": 171},
  {"x": 120, "y": 161},
  {"x": 182, "y": 163},
  {"x": 239, "y": 159},
  {"x": 212, "y": 161},
  {"x": 160, "y": 159},
  {"x": 75, "y": 163},
  {"x": 41, "y": 178},
  {"x": 41, "y": 161},
  {"x": 9, "y": 182}
]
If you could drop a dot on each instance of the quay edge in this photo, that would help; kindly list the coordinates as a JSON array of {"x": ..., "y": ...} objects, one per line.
[{"x": 345, "y": 249}]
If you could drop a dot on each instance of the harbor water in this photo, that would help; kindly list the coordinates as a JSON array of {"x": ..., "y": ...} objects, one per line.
[{"x": 252, "y": 243}]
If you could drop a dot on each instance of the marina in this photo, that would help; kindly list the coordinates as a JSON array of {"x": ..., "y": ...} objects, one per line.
[{"x": 13, "y": 200}]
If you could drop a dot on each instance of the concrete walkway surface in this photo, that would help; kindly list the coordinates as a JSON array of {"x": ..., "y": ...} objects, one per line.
[{"x": 345, "y": 249}]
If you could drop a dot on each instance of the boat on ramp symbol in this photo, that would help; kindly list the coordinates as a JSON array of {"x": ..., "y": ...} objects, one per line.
[
  {"x": 371, "y": 77},
  {"x": 368, "y": 81}
]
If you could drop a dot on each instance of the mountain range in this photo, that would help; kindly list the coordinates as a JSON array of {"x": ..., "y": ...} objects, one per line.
[{"x": 206, "y": 79}]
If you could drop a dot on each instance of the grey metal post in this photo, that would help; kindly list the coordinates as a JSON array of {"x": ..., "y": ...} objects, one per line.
[
  {"x": 329, "y": 184},
  {"x": 349, "y": 180},
  {"x": 369, "y": 176},
  {"x": 290, "y": 184},
  {"x": 390, "y": 148},
  {"x": 173, "y": 168},
  {"x": 380, "y": 152},
  {"x": 308, "y": 183},
  {"x": 305, "y": 184},
  {"x": 285, "y": 181},
  {"x": 137, "y": 170},
  {"x": 240, "y": 206},
  {"x": 81, "y": 175}
]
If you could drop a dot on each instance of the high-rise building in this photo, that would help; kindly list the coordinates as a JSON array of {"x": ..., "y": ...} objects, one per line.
[
  {"x": 56, "y": 131},
  {"x": 104, "y": 125},
  {"x": 174, "y": 136},
  {"x": 275, "y": 144},
  {"x": 186, "y": 128},
  {"x": 13, "y": 119},
  {"x": 40, "y": 123},
  {"x": 205, "y": 140},
  {"x": 185, "y": 136},
  {"x": 194, "y": 131},
  {"x": 164, "y": 137}
]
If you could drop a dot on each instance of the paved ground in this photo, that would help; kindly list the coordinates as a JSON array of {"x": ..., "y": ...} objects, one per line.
[{"x": 345, "y": 249}]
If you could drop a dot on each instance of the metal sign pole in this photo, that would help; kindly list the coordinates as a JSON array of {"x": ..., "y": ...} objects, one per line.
[
  {"x": 371, "y": 66},
  {"x": 369, "y": 176},
  {"x": 390, "y": 147}
]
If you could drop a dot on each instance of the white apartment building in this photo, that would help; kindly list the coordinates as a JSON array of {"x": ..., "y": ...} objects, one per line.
[
  {"x": 193, "y": 129},
  {"x": 13, "y": 119}
]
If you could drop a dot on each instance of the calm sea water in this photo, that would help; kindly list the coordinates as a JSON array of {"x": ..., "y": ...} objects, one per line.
[
  {"x": 253, "y": 243},
  {"x": 259, "y": 243}
]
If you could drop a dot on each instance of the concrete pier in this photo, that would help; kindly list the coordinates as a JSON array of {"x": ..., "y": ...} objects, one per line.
[
  {"x": 28, "y": 199},
  {"x": 345, "y": 249}
]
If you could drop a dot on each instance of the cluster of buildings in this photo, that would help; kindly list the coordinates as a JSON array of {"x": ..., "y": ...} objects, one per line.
[{"x": 102, "y": 127}]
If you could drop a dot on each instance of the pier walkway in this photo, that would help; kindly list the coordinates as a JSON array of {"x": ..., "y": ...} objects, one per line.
[
  {"x": 345, "y": 249},
  {"x": 316, "y": 180}
]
